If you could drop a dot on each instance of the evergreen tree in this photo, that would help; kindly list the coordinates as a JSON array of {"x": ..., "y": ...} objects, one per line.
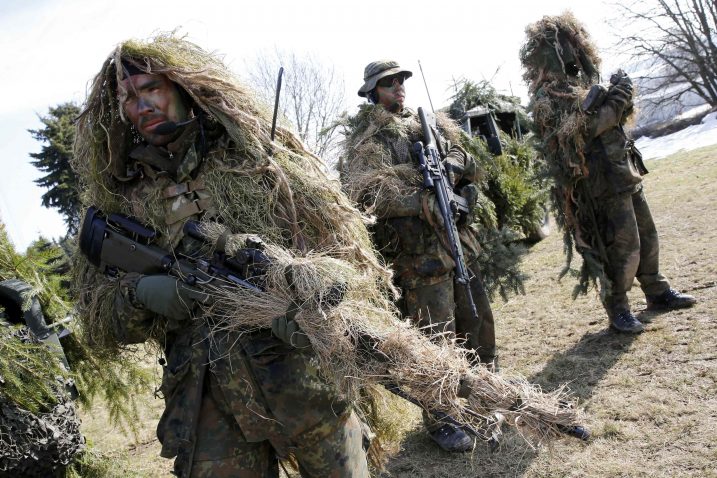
[{"x": 58, "y": 136}]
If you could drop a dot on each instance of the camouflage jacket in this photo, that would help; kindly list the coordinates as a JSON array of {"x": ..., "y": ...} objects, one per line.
[
  {"x": 603, "y": 143},
  {"x": 380, "y": 173},
  {"x": 167, "y": 189},
  {"x": 609, "y": 152}
]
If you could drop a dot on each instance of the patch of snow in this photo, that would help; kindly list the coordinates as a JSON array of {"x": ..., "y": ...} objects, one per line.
[
  {"x": 697, "y": 110},
  {"x": 692, "y": 137}
]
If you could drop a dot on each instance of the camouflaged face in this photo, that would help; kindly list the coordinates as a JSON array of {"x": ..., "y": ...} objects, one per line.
[{"x": 552, "y": 44}]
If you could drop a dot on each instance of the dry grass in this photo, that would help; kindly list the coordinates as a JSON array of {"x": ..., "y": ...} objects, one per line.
[{"x": 650, "y": 399}]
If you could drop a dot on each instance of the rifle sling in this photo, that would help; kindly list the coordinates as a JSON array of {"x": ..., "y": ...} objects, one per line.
[
  {"x": 183, "y": 188},
  {"x": 188, "y": 209}
]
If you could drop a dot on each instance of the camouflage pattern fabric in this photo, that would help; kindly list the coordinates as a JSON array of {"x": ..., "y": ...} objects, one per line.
[
  {"x": 631, "y": 243},
  {"x": 443, "y": 308},
  {"x": 234, "y": 402},
  {"x": 625, "y": 224},
  {"x": 598, "y": 191},
  {"x": 408, "y": 238}
]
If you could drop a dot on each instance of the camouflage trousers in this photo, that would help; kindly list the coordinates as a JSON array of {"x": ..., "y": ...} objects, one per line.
[
  {"x": 442, "y": 307},
  {"x": 223, "y": 452},
  {"x": 267, "y": 401},
  {"x": 632, "y": 248}
]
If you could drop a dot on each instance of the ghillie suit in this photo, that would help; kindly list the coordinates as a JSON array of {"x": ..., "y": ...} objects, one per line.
[
  {"x": 380, "y": 173},
  {"x": 562, "y": 128},
  {"x": 316, "y": 239},
  {"x": 597, "y": 192}
]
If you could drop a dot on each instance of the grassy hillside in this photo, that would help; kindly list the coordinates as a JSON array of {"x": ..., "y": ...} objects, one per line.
[{"x": 649, "y": 400}]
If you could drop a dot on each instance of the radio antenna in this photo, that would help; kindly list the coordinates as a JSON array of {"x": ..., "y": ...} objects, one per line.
[{"x": 426, "y": 85}]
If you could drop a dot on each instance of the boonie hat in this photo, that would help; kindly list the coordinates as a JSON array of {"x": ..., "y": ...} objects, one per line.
[{"x": 376, "y": 70}]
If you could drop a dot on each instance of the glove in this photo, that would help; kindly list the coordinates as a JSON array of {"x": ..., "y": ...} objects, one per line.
[
  {"x": 458, "y": 165},
  {"x": 168, "y": 296},
  {"x": 287, "y": 330},
  {"x": 470, "y": 193},
  {"x": 621, "y": 91}
]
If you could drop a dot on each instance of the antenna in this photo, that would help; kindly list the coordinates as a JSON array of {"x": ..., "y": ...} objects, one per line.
[
  {"x": 276, "y": 101},
  {"x": 426, "y": 85}
]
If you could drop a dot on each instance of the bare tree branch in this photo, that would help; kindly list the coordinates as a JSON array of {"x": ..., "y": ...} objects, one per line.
[{"x": 675, "y": 44}]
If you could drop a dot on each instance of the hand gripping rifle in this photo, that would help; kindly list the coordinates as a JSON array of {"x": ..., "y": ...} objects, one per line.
[
  {"x": 117, "y": 242},
  {"x": 450, "y": 204}
]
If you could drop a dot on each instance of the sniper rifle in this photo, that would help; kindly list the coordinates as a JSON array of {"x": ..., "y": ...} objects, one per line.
[
  {"x": 450, "y": 204},
  {"x": 117, "y": 242}
]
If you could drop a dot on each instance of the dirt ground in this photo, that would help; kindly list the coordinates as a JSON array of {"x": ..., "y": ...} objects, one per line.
[{"x": 649, "y": 400}]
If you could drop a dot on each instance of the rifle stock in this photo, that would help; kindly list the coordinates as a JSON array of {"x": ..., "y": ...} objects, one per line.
[{"x": 116, "y": 242}]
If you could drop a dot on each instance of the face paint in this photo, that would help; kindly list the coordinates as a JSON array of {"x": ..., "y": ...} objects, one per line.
[{"x": 150, "y": 100}]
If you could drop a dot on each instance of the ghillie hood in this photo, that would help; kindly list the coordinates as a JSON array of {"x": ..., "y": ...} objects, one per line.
[
  {"x": 551, "y": 44},
  {"x": 562, "y": 129},
  {"x": 266, "y": 187}
]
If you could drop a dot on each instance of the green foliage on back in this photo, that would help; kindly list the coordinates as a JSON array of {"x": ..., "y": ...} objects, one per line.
[
  {"x": 28, "y": 371},
  {"x": 514, "y": 193}
]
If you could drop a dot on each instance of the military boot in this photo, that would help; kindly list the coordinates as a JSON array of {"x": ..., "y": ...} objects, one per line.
[
  {"x": 452, "y": 438},
  {"x": 626, "y": 322},
  {"x": 669, "y": 300}
]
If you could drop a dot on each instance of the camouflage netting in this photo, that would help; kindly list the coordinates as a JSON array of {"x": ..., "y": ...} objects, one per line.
[
  {"x": 270, "y": 188},
  {"x": 41, "y": 442},
  {"x": 561, "y": 126}
]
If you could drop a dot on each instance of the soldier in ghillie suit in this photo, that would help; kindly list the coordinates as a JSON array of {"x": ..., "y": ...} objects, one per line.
[
  {"x": 168, "y": 135},
  {"x": 380, "y": 172},
  {"x": 597, "y": 171},
  {"x": 236, "y": 401}
]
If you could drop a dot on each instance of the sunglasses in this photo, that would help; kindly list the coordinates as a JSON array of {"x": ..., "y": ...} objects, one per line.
[{"x": 387, "y": 82}]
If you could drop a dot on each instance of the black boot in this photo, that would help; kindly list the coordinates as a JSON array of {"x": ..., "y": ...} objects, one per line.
[
  {"x": 669, "y": 300},
  {"x": 451, "y": 438},
  {"x": 626, "y": 322}
]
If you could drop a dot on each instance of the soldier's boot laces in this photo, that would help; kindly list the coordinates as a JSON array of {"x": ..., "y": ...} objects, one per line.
[
  {"x": 670, "y": 299},
  {"x": 626, "y": 322},
  {"x": 452, "y": 438}
]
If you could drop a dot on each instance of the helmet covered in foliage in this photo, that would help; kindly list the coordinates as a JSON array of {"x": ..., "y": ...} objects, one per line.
[{"x": 559, "y": 48}]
